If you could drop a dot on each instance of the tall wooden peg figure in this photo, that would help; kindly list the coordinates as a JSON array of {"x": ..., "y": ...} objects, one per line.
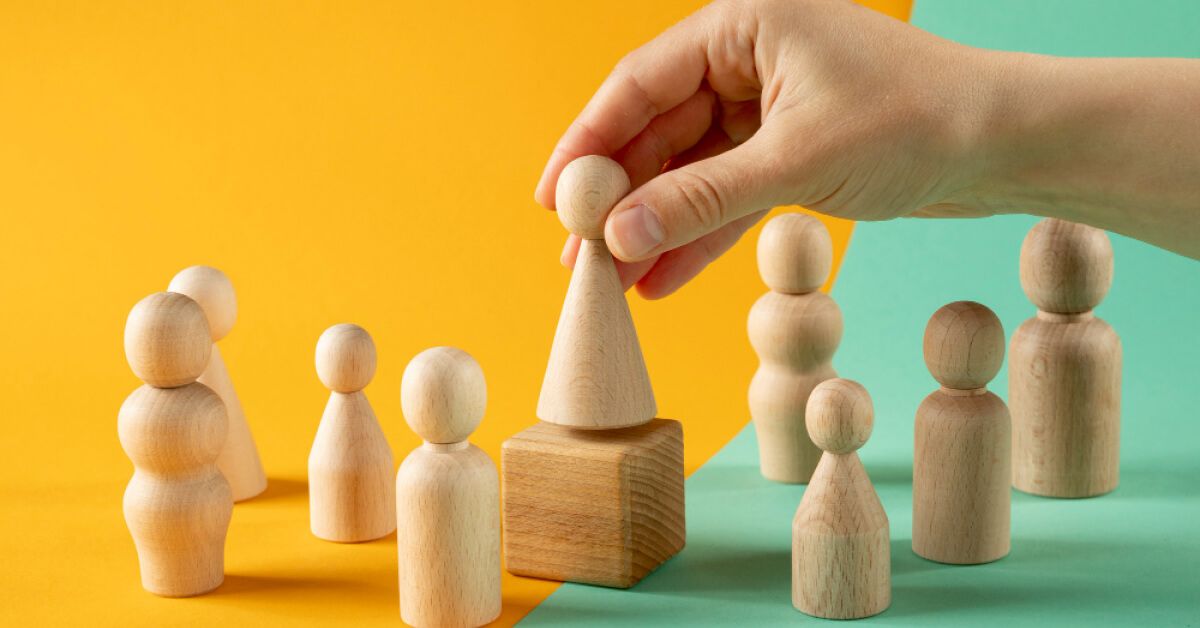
[
  {"x": 350, "y": 492},
  {"x": 596, "y": 378},
  {"x": 795, "y": 330},
  {"x": 962, "y": 460},
  {"x": 177, "y": 505},
  {"x": 1064, "y": 367},
  {"x": 447, "y": 497},
  {"x": 239, "y": 460},
  {"x": 841, "y": 556}
]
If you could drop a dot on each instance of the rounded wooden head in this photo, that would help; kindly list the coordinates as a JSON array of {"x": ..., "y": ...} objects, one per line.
[
  {"x": 964, "y": 345},
  {"x": 795, "y": 253},
  {"x": 588, "y": 188},
  {"x": 345, "y": 358},
  {"x": 214, "y": 292},
  {"x": 167, "y": 340},
  {"x": 1066, "y": 267},
  {"x": 839, "y": 416},
  {"x": 443, "y": 395}
]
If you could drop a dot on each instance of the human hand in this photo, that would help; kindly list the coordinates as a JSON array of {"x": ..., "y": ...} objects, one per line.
[{"x": 747, "y": 105}]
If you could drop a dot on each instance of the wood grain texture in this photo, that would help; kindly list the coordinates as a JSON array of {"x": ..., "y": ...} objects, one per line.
[
  {"x": 596, "y": 377},
  {"x": 841, "y": 553},
  {"x": 962, "y": 456},
  {"x": 350, "y": 494},
  {"x": 795, "y": 331},
  {"x": 448, "y": 536},
  {"x": 1065, "y": 367},
  {"x": 597, "y": 507},
  {"x": 177, "y": 504},
  {"x": 239, "y": 460}
]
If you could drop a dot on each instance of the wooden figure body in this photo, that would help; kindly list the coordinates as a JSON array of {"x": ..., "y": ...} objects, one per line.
[
  {"x": 962, "y": 459},
  {"x": 177, "y": 505},
  {"x": 795, "y": 330},
  {"x": 596, "y": 377},
  {"x": 1065, "y": 367},
  {"x": 841, "y": 554},
  {"x": 447, "y": 497},
  {"x": 239, "y": 461},
  {"x": 350, "y": 466}
]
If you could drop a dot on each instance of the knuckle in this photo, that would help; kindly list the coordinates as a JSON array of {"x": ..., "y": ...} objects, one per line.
[{"x": 702, "y": 200}]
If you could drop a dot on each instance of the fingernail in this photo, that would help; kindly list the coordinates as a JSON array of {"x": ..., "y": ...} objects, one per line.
[{"x": 636, "y": 231}]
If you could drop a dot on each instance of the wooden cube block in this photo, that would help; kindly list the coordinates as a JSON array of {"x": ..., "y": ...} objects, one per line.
[{"x": 593, "y": 506}]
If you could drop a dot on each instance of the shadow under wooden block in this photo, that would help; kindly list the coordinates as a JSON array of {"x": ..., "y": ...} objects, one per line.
[{"x": 593, "y": 506}]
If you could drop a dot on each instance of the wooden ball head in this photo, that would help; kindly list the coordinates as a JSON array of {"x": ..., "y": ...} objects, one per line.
[
  {"x": 350, "y": 467},
  {"x": 177, "y": 504},
  {"x": 447, "y": 497},
  {"x": 795, "y": 331},
  {"x": 841, "y": 553},
  {"x": 1065, "y": 367},
  {"x": 587, "y": 190},
  {"x": 239, "y": 460},
  {"x": 962, "y": 458}
]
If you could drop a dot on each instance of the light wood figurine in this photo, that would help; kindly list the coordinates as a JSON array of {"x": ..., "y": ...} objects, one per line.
[
  {"x": 1064, "y": 367},
  {"x": 177, "y": 505},
  {"x": 962, "y": 459},
  {"x": 350, "y": 493},
  {"x": 596, "y": 378},
  {"x": 841, "y": 555},
  {"x": 447, "y": 497},
  {"x": 795, "y": 330},
  {"x": 239, "y": 460}
]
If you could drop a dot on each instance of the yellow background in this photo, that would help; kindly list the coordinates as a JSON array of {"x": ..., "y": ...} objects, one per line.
[{"x": 370, "y": 162}]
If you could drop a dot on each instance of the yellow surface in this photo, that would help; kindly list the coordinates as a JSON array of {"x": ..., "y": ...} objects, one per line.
[{"x": 365, "y": 162}]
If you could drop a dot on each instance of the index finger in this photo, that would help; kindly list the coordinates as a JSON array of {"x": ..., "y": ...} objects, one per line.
[{"x": 649, "y": 81}]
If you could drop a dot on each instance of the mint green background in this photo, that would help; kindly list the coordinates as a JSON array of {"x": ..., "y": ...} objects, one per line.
[{"x": 1128, "y": 558}]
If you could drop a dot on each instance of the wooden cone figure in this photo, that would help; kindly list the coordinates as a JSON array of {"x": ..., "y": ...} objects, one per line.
[
  {"x": 239, "y": 460},
  {"x": 962, "y": 460},
  {"x": 1064, "y": 367},
  {"x": 447, "y": 497},
  {"x": 795, "y": 330},
  {"x": 594, "y": 493},
  {"x": 596, "y": 378},
  {"x": 177, "y": 504},
  {"x": 350, "y": 493},
  {"x": 841, "y": 556}
]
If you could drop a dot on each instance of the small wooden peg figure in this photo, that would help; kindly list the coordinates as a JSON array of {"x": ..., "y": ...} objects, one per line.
[
  {"x": 596, "y": 377},
  {"x": 841, "y": 556},
  {"x": 239, "y": 461},
  {"x": 1064, "y": 367},
  {"x": 795, "y": 330},
  {"x": 447, "y": 497},
  {"x": 962, "y": 460},
  {"x": 177, "y": 505},
  {"x": 350, "y": 467}
]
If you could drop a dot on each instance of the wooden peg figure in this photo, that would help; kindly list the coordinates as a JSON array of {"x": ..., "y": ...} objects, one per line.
[
  {"x": 177, "y": 505},
  {"x": 239, "y": 460},
  {"x": 1064, "y": 367},
  {"x": 350, "y": 467},
  {"x": 795, "y": 330},
  {"x": 962, "y": 459},
  {"x": 596, "y": 378},
  {"x": 447, "y": 497},
  {"x": 841, "y": 556}
]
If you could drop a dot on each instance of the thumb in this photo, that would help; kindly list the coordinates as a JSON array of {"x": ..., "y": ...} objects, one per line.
[{"x": 687, "y": 203}]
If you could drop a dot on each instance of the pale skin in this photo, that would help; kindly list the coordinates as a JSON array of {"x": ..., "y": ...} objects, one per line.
[{"x": 751, "y": 104}]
